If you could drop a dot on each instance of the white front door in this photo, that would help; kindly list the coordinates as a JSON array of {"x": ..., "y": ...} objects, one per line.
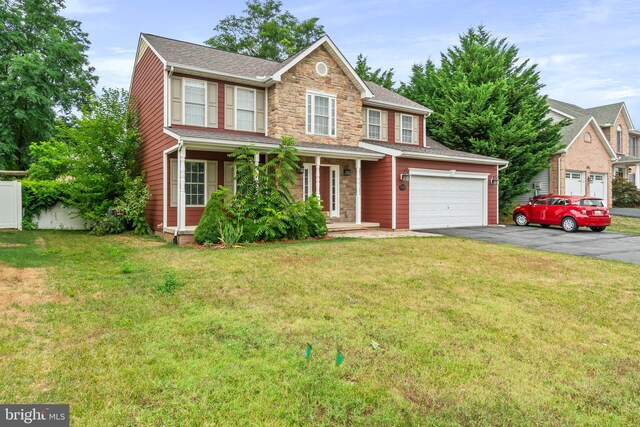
[
  {"x": 574, "y": 185},
  {"x": 439, "y": 202},
  {"x": 598, "y": 186}
]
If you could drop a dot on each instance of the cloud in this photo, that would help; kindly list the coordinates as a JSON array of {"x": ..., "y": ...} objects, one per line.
[
  {"x": 86, "y": 7},
  {"x": 114, "y": 71}
]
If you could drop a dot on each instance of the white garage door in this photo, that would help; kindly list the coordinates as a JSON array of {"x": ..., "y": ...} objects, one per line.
[
  {"x": 598, "y": 186},
  {"x": 438, "y": 202},
  {"x": 574, "y": 185}
]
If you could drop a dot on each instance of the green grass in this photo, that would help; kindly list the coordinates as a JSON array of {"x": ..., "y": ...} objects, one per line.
[
  {"x": 625, "y": 224},
  {"x": 467, "y": 332}
]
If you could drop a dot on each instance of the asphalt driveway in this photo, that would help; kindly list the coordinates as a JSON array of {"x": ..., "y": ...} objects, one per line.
[
  {"x": 605, "y": 245},
  {"x": 632, "y": 212}
]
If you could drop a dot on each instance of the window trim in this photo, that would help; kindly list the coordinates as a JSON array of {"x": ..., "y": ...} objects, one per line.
[
  {"x": 587, "y": 137},
  {"x": 185, "y": 182},
  {"x": 235, "y": 108},
  {"x": 619, "y": 138},
  {"x": 379, "y": 124},
  {"x": 403, "y": 128},
  {"x": 633, "y": 143},
  {"x": 333, "y": 122},
  {"x": 184, "y": 101}
]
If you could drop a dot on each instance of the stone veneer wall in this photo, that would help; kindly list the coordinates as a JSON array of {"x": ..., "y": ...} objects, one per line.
[{"x": 287, "y": 101}]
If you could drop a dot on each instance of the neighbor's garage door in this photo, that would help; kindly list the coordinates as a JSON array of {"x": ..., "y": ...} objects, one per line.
[{"x": 438, "y": 202}]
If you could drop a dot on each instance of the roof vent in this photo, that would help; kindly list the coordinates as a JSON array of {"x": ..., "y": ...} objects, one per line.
[{"x": 322, "y": 69}]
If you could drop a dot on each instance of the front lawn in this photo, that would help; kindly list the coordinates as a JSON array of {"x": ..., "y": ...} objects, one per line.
[
  {"x": 433, "y": 331},
  {"x": 623, "y": 224}
]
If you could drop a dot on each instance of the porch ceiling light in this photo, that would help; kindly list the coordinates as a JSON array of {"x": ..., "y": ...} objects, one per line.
[{"x": 346, "y": 171}]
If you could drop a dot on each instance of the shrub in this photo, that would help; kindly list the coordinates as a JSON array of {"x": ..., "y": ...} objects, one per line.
[
  {"x": 215, "y": 214},
  {"x": 38, "y": 196},
  {"x": 108, "y": 224},
  {"x": 625, "y": 194},
  {"x": 263, "y": 207},
  {"x": 133, "y": 203}
]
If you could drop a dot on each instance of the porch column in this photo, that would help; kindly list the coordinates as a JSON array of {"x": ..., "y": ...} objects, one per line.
[
  {"x": 182, "y": 200},
  {"x": 638, "y": 175},
  {"x": 317, "y": 176},
  {"x": 358, "y": 193},
  {"x": 256, "y": 161}
]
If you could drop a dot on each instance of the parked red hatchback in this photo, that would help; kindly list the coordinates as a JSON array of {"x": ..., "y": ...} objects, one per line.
[{"x": 569, "y": 212}]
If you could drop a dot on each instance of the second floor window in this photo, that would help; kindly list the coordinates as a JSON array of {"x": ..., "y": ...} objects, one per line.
[
  {"x": 321, "y": 114},
  {"x": 373, "y": 124},
  {"x": 245, "y": 109},
  {"x": 619, "y": 138},
  {"x": 194, "y": 96},
  {"x": 633, "y": 146},
  {"x": 407, "y": 129}
]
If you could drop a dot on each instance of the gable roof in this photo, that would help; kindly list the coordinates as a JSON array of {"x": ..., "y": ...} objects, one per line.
[
  {"x": 574, "y": 130},
  {"x": 385, "y": 97},
  {"x": 205, "y": 59},
  {"x": 606, "y": 115}
]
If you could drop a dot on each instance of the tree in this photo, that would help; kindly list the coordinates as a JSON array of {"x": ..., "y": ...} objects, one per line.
[
  {"x": 265, "y": 31},
  {"x": 44, "y": 71},
  {"x": 383, "y": 78},
  {"x": 487, "y": 101}
]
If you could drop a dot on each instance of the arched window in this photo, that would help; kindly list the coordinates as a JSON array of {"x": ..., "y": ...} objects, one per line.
[
  {"x": 619, "y": 136},
  {"x": 587, "y": 137}
]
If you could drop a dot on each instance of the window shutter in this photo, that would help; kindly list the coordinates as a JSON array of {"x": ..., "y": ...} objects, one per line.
[
  {"x": 229, "y": 176},
  {"x": 176, "y": 101},
  {"x": 260, "y": 111},
  {"x": 416, "y": 129},
  {"x": 212, "y": 105},
  {"x": 384, "y": 126},
  {"x": 229, "y": 107},
  {"x": 309, "y": 113},
  {"x": 212, "y": 178},
  {"x": 398, "y": 133},
  {"x": 174, "y": 182},
  {"x": 365, "y": 122},
  {"x": 332, "y": 117}
]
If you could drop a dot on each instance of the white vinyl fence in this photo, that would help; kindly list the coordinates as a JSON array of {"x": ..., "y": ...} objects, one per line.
[
  {"x": 59, "y": 217},
  {"x": 10, "y": 204}
]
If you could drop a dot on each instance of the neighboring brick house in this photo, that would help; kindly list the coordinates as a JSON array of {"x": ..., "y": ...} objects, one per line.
[
  {"x": 598, "y": 143},
  {"x": 363, "y": 148}
]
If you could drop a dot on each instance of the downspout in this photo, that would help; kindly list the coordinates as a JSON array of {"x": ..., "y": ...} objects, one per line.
[
  {"x": 559, "y": 158},
  {"x": 178, "y": 208}
]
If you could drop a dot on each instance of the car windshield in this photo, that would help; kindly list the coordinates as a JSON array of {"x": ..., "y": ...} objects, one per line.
[{"x": 591, "y": 202}]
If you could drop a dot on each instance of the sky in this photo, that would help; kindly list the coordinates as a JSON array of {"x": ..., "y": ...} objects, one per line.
[{"x": 587, "y": 52}]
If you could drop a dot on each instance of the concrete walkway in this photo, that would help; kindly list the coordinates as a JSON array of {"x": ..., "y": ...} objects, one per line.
[{"x": 630, "y": 212}]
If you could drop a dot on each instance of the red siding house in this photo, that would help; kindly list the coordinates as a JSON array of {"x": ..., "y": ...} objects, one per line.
[{"x": 363, "y": 148}]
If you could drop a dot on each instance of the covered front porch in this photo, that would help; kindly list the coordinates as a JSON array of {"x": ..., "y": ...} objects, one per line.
[
  {"x": 195, "y": 167},
  {"x": 628, "y": 167}
]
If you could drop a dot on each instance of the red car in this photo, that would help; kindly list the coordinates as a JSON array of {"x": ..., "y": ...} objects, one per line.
[{"x": 569, "y": 212}]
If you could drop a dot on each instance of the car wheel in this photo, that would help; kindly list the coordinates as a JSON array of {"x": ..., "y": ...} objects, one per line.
[
  {"x": 545, "y": 225},
  {"x": 597, "y": 229},
  {"x": 569, "y": 224},
  {"x": 520, "y": 219}
]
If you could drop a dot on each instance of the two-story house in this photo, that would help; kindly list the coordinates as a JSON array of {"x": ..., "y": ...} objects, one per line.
[
  {"x": 363, "y": 148},
  {"x": 598, "y": 144}
]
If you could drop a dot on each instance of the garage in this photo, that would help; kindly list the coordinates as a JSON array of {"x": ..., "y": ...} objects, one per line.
[{"x": 440, "y": 199}]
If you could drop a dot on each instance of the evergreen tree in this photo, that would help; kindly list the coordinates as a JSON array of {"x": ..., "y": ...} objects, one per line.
[
  {"x": 265, "y": 31},
  {"x": 485, "y": 100},
  {"x": 383, "y": 78},
  {"x": 44, "y": 72}
]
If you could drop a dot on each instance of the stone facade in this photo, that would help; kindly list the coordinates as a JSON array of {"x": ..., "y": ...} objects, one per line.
[{"x": 287, "y": 101}]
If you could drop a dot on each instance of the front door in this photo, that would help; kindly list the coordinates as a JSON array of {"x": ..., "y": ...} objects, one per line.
[{"x": 329, "y": 187}]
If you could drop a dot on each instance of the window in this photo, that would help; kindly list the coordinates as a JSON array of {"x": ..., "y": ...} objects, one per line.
[
  {"x": 245, "y": 109},
  {"x": 194, "y": 96},
  {"x": 321, "y": 115},
  {"x": 592, "y": 202},
  {"x": 633, "y": 146},
  {"x": 194, "y": 186},
  {"x": 619, "y": 138},
  {"x": 619, "y": 172},
  {"x": 587, "y": 137},
  {"x": 373, "y": 131},
  {"x": 406, "y": 129}
]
